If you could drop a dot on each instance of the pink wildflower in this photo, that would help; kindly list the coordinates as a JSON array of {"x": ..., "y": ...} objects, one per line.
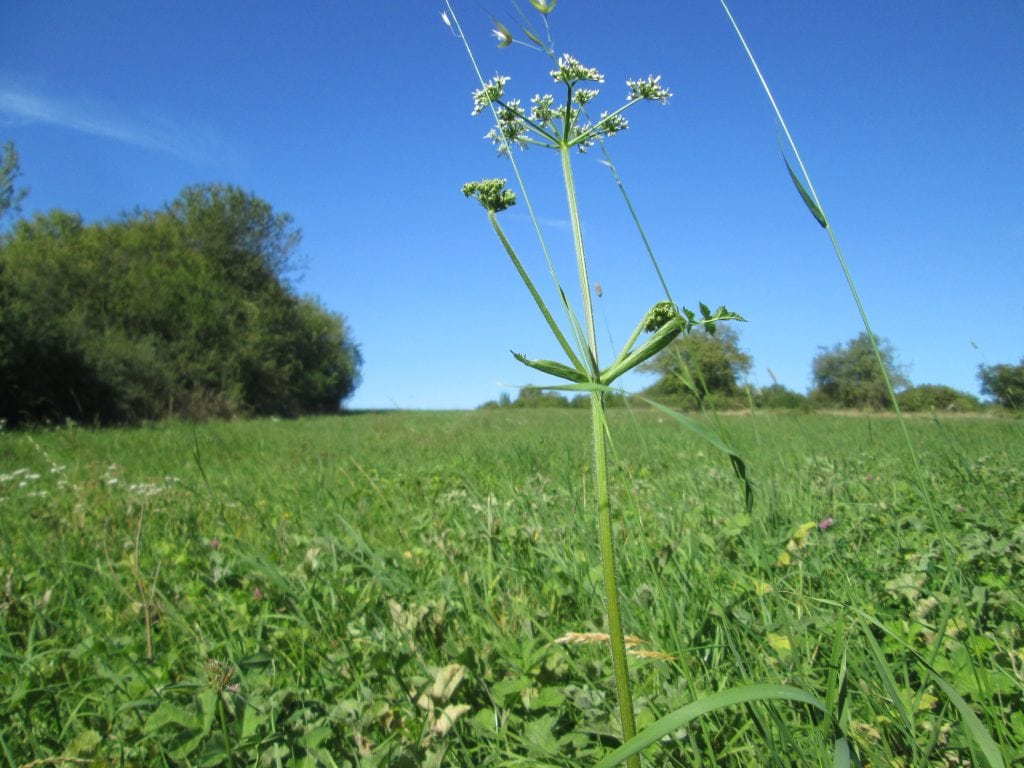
[
  {"x": 257, "y": 594},
  {"x": 214, "y": 543},
  {"x": 824, "y": 525}
]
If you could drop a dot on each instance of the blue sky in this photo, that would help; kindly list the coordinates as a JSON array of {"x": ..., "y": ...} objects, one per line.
[{"x": 355, "y": 118}]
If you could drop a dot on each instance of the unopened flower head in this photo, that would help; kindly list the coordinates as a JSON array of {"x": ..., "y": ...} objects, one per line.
[
  {"x": 570, "y": 72},
  {"x": 491, "y": 194},
  {"x": 659, "y": 315},
  {"x": 648, "y": 90}
]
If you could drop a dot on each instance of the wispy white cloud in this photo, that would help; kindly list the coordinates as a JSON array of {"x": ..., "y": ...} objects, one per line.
[{"x": 152, "y": 133}]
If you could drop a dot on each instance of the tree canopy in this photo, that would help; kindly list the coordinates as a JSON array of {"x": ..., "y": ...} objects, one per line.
[
  {"x": 181, "y": 311},
  {"x": 848, "y": 375},
  {"x": 1004, "y": 383},
  {"x": 697, "y": 364},
  {"x": 10, "y": 169}
]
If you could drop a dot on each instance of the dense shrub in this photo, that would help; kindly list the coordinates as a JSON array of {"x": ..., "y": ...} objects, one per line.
[
  {"x": 926, "y": 397},
  {"x": 184, "y": 311}
]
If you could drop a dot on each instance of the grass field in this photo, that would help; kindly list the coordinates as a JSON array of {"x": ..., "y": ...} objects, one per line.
[{"x": 390, "y": 589}]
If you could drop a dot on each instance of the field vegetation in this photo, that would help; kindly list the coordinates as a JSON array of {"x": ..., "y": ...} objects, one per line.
[{"x": 399, "y": 589}]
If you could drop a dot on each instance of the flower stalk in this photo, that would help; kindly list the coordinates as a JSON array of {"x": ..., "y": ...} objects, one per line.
[{"x": 563, "y": 128}]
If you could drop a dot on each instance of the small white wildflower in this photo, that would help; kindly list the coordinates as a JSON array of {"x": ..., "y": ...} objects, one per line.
[
  {"x": 543, "y": 110},
  {"x": 570, "y": 72},
  {"x": 648, "y": 90},
  {"x": 492, "y": 91}
]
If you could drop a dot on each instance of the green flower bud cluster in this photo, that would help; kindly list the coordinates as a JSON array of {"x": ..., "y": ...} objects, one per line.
[
  {"x": 491, "y": 194},
  {"x": 659, "y": 314}
]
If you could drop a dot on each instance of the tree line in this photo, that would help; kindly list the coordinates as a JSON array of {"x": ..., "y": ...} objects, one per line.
[
  {"x": 183, "y": 311},
  {"x": 704, "y": 369}
]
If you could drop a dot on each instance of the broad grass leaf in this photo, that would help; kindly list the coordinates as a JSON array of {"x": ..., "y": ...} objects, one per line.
[
  {"x": 842, "y": 753},
  {"x": 680, "y": 717},
  {"x": 738, "y": 465},
  {"x": 972, "y": 725},
  {"x": 808, "y": 200}
]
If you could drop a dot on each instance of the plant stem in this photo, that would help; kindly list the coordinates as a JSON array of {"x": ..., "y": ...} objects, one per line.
[
  {"x": 611, "y": 588},
  {"x": 581, "y": 259},
  {"x": 604, "y": 507}
]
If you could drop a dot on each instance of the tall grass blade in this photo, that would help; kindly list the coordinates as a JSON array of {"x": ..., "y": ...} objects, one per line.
[
  {"x": 712, "y": 439},
  {"x": 842, "y": 753},
  {"x": 972, "y": 725},
  {"x": 680, "y": 717}
]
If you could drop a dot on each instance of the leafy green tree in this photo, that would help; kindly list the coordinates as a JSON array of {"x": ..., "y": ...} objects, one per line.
[
  {"x": 536, "y": 397},
  {"x": 1004, "y": 383},
  {"x": 848, "y": 375},
  {"x": 10, "y": 169},
  {"x": 182, "y": 311},
  {"x": 698, "y": 364}
]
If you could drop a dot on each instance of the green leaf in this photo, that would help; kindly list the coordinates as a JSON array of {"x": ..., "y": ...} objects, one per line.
[
  {"x": 84, "y": 743},
  {"x": 808, "y": 200},
  {"x": 170, "y": 714},
  {"x": 974, "y": 727},
  {"x": 680, "y": 717},
  {"x": 552, "y": 368},
  {"x": 738, "y": 465},
  {"x": 842, "y": 757}
]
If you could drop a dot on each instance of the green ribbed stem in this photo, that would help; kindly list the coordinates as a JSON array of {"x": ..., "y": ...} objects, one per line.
[{"x": 604, "y": 507}]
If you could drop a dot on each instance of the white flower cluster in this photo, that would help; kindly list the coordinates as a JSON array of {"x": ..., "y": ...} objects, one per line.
[
  {"x": 570, "y": 72},
  {"x": 648, "y": 90}
]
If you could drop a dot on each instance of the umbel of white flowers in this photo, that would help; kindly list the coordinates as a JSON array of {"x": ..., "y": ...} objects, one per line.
[{"x": 555, "y": 126}]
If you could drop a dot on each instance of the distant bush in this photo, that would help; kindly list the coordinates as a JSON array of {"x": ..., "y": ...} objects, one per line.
[
  {"x": 926, "y": 397},
  {"x": 185, "y": 311},
  {"x": 778, "y": 396}
]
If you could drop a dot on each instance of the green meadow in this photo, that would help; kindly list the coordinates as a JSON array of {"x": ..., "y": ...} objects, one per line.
[{"x": 406, "y": 589}]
